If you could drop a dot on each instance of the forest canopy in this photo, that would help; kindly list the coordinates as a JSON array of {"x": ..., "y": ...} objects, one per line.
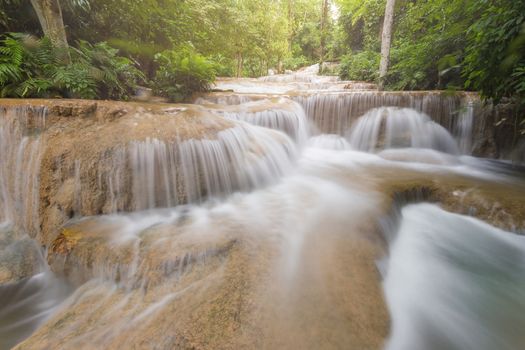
[{"x": 179, "y": 46}]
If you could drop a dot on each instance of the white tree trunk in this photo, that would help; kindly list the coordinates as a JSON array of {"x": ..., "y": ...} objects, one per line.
[
  {"x": 50, "y": 16},
  {"x": 386, "y": 40}
]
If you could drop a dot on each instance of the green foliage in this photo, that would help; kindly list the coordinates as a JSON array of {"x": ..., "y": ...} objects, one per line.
[
  {"x": 441, "y": 44},
  {"x": 360, "y": 66},
  {"x": 294, "y": 63},
  {"x": 182, "y": 72},
  {"x": 247, "y": 37},
  {"x": 31, "y": 67},
  {"x": 116, "y": 76},
  {"x": 429, "y": 44},
  {"x": 495, "y": 54},
  {"x": 362, "y": 21}
]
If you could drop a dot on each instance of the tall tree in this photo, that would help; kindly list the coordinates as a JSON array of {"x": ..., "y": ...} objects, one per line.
[
  {"x": 49, "y": 14},
  {"x": 386, "y": 39}
]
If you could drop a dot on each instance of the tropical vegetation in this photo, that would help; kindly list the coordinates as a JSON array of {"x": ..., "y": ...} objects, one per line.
[{"x": 177, "y": 47}]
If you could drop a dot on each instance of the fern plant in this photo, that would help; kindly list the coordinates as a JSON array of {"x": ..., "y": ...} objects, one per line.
[
  {"x": 11, "y": 60},
  {"x": 182, "y": 72},
  {"x": 116, "y": 77},
  {"x": 31, "y": 67}
]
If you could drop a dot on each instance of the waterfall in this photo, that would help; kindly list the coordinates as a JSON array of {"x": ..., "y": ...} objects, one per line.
[
  {"x": 389, "y": 127},
  {"x": 335, "y": 112},
  {"x": 21, "y": 148},
  {"x": 154, "y": 173},
  {"x": 279, "y": 114},
  {"x": 29, "y": 292},
  {"x": 455, "y": 282},
  {"x": 464, "y": 126},
  {"x": 253, "y": 220}
]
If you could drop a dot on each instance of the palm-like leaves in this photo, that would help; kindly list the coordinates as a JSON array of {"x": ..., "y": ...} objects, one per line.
[
  {"x": 31, "y": 67},
  {"x": 183, "y": 72}
]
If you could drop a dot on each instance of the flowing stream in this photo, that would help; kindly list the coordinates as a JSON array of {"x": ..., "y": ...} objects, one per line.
[{"x": 303, "y": 223}]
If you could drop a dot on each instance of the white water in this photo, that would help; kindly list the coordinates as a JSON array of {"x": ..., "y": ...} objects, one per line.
[
  {"x": 464, "y": 127},
  {"x": 279, "y": 114},
  {"x": 286, "y": 204},
  {"x": 154, "y": 173},
  {"x": 330, "y": 141},
  {"x": 20, "y": 153},
  {"x": 390, "y": 127},
  {"x": 238, "y": 160},
  {"x": 455, "y": 282},
  {"x": 26, "y": 304}
]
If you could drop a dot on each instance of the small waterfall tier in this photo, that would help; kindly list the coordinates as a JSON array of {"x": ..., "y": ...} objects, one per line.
[
  {"x": 21, "y": 149},
  {"x": 54, "y": 166},
  {"x": 390, "y": 127},
  {"x": 183, "y": 156},
  {"x": 280, "y": 114},
  {"x": 334, "y": 112}
]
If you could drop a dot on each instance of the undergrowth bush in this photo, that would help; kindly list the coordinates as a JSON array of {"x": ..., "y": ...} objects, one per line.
[
  {"x": 294, "y": 63},
  {"x": 363, "y": 66},
  {"x": 32, "y": 67},
  {"x": 182, "y": 72}
]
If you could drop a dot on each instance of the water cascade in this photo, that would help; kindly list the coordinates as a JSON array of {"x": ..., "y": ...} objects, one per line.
[
  {"x": 279, "y": 114},
  {"x": 29, "y": 291},
  {"x": 455, "y": 283},
  {"x": 161, "y": 159},
  {"x": 390, "y": 127},
  {"x": 336, "y": 112},
  {"x": 464, "y": 126},
  {"x": 278, "y": 217},
  {"x": 167, "y": 174},
  {"x": 21, "y": 150}
]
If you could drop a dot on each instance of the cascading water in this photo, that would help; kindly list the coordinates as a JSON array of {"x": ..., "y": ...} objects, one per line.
[
  {"x": 281, "y": 114},
  {"x": 336, "y": 112},
  {"x": 154, "y": 173},
  {"x": 464, "y": 127},
  {"x": 21, "y": 150},
  {"x": 455, "y": 283},
  {"x": 251, "y": 228},
  {"x": 390, "y": 127},
  {"x": 29, "y": 292}
]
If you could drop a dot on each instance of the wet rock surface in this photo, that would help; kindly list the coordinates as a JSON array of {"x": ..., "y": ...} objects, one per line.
[
  {"x": 292, "y": 264},
  {"x": 20, "y": 256}
]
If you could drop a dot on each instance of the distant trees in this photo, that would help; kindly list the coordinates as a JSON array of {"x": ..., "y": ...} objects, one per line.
[
  {"x": 247, "y": 37},
  {"x": 494, "y": 61},
  {"x": 438, "y": 44}
]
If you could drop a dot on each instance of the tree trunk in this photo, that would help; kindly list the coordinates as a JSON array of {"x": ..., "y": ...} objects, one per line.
[
  {"x": 324, "y": 19},
  {"x": 239, "y": 64},
  {"x": 386, "y": 39},
  {"x": 50, "y": 16}
]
